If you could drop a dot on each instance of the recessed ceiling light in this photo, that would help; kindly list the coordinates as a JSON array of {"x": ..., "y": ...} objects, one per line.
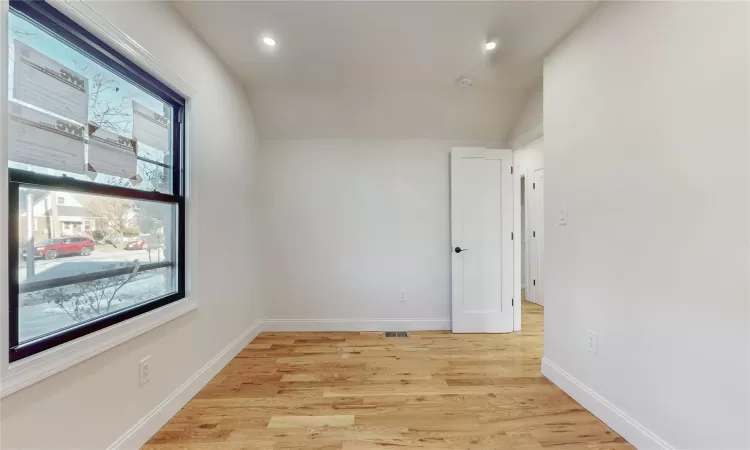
[
  {"x": 269, "y": 41},
  {"x": 489, "y": 46}
]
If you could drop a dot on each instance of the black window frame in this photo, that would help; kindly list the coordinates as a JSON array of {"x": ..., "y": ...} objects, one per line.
[{"x": 47, "y": 17}]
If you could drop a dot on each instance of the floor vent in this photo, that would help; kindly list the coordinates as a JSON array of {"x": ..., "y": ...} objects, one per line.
[{"x": 401, "y": 334}]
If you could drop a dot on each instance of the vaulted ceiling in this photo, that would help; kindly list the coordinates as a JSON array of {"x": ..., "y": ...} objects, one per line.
[{"x": 382, "y": 69}]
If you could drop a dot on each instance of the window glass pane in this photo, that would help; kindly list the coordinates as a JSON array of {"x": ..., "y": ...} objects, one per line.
[
  {"x": 50, "y": 310},
  {"x": 89, "y": 234},
  {"x": 114, "y": 105}
]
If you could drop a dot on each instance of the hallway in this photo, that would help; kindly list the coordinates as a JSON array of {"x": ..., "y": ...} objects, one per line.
[{"x": 358, "y": 391}]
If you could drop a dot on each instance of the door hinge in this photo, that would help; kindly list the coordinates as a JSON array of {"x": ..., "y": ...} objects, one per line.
[
  {"x": 512, "y": 302},
  {"x": 511, "y": 170},
  {"x": 533, "y": 234},
  {"x": 511, "y": 235},
  {"x": 533, "y": 185},
  {"x": 534, "y": 282}
]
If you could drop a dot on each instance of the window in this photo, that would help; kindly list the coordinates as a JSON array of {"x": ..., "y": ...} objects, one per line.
[{"x": 95, "y": 152}]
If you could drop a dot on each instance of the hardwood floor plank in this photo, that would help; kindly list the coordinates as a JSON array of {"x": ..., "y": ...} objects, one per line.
[
  {"x": 362, "y": 391},
  {"x": 311, "y": 421}
]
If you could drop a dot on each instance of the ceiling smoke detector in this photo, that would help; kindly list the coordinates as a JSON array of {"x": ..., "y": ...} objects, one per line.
[{"x": 465, "y": 81}]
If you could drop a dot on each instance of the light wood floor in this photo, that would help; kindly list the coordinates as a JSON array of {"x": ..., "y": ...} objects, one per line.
[{"x": 363, "y": 391}]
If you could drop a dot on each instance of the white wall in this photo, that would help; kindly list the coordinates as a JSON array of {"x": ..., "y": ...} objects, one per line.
[
  {"x": 530, "y": 157},
  {"x": 348, "y": 223},
  {"x": 446, "y": 112},
  {"x": 91, "y": 404},
  {"x": 646, "y": 142},
  {"x": 529, "y": 124}
]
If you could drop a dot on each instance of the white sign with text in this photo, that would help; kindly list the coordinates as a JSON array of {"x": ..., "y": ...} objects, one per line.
[
  {"x": 43, "y": 82},
  {"x": 41, "y": 139},
  {"x": 150, "y": 128},
  {"x": 111, "y": 154}
]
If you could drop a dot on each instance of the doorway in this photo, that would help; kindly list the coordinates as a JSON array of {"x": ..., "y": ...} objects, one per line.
[
  {"x": 523, "y": 237},
  {"x": 482, "y": 227},
  {"x": 534, "y": 291}
]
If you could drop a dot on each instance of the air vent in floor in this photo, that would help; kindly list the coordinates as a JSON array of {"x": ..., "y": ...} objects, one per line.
[{"x": 400, "y": 334}]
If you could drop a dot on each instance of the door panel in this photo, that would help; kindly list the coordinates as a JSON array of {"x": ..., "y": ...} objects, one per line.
[
  {"x": 529, "y": 245},
  {"x": 538, "y": 288},
  {"x": 482, "y": 222}
]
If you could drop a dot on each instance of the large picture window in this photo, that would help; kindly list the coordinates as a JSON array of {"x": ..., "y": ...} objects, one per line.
[{"x": 96, "y": 184}]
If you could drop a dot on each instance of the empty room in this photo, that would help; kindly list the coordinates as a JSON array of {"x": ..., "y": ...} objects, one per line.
[{"x": 360, "y": 225}]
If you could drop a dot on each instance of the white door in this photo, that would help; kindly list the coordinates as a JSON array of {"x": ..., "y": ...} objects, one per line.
[
  {"x": 538, "y": 237},
  {"x": 482, "y": 246}
]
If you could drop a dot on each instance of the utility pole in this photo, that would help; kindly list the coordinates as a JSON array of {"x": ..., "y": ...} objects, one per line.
[
  {"x": 30, "y": 250},
  {"x": 55, "y": 225}
]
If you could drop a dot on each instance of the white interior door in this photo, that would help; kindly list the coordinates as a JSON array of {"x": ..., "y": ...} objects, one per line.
[
  {"x": 482, "y": 247},
  {"x": 538, "y": 237}
]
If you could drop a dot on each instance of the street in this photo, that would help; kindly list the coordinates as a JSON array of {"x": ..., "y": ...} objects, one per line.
[{"x": 64, "y": 266}]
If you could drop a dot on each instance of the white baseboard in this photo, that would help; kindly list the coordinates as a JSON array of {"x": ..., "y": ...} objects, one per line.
[
  {"x": 627, "y": 427},
  {"x": 356, "y": 324},
  {"x": 142, "y": 431}
]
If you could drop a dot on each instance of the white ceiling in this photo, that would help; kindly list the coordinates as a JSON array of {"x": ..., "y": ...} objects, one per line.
[{"x": 369, "y": 47}]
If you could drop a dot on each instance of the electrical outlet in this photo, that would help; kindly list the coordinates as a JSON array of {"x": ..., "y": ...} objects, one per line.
[
  {"x": 591, "y": 344},
  {"x": 403, "y": 295},
  {"x": 144, "y": 370}
]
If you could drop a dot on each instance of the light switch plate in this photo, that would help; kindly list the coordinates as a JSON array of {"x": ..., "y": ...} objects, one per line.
[{"x": 562, "y": 215}]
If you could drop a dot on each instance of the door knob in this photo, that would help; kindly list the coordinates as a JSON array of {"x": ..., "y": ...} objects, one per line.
[{"x": 459, "y": 249}]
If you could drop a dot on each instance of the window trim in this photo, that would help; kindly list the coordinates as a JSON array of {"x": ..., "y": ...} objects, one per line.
[{"x": 22, "y": 373}]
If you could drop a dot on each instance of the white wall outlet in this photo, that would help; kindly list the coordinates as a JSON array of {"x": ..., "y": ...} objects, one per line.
[
  {"x": 591, "y": 344},
  {"x": 403, "y": 296},
  {"x": 144, "y": 370}
]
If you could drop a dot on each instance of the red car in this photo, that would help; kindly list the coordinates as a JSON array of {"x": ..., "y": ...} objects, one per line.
[
  {"x": 52, "y": 248},
  {"x": 138, "y": 243}
]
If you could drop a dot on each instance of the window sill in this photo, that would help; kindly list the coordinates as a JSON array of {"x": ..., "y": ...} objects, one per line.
[{"x": 24, "y": 373}]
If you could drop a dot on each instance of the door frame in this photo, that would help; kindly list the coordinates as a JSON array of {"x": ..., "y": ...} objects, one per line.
[
  {"x": 526, "y": 169},
  {"x": 537, "y": 225},
  {"x": 517, "y": 248},
  {"x": 517, "y": 243},
  {"x": 528, "y": 174}
]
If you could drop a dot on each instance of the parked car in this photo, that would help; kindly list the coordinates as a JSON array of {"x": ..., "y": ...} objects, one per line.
[
  {"x": 52, "y": 248},
  {"x": 138, "y": 243}
]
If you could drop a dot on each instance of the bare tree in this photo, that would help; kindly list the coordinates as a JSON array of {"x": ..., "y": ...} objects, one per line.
[
  {"x": 108, "y": 108},
  {"x": 91, "y": 299},
  {"x": 115, "y": 213}
]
